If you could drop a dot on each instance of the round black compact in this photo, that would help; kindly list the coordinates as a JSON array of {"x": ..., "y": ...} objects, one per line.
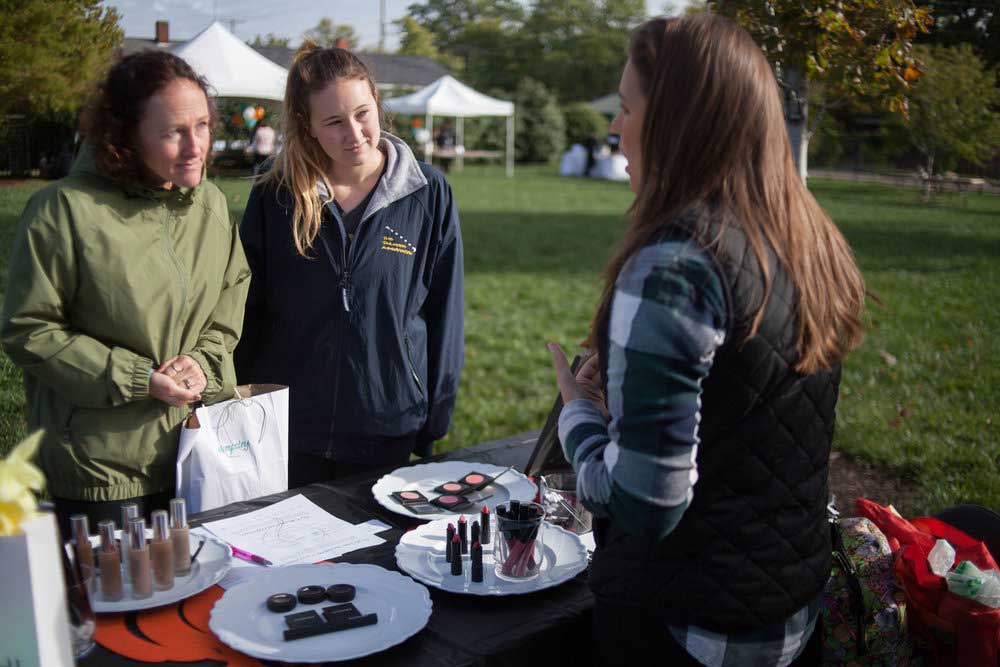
[
  {"x": 311, "y": 594},
  {"x": 281, "y": 602},
  {"x": 340, "y": 593}
]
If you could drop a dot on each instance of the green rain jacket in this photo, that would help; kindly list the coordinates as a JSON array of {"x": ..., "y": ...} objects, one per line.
[{"x": 105, "y": 282}]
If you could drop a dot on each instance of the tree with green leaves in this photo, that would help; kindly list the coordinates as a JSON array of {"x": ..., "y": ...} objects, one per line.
[
  {"x": 954, "y": 108},
  {"x": 326, "y": 33},
  {"x": 416, "y": 40},
  {"x": 270, "y": 40},
  {"x": 579, "y": 46},
  {"x": 575, "y": 47},
  {"x": 849, "y": 48},
  {"x": 447, "y": 19},
  {"x": 583, "y": 122},
  {"x": 52, "y": 52},
  {"x": 540, "y": 130}
]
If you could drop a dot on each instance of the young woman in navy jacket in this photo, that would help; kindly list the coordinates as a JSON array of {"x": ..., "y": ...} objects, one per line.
[{"x": 356, "y": 297}]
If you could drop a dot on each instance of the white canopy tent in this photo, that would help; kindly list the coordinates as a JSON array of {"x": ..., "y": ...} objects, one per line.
[
  {"x": 607, "y": 105},
  {"x": 450, "y": 97},
  {"x": 231, "y": 67}
]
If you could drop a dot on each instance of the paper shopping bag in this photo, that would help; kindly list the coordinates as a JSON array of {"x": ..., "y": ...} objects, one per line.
[
  {"x": 235, "y": 450},
  {"x": 34, "y": 621}
]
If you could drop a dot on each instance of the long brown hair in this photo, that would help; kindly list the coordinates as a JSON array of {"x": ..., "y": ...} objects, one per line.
[
  {"x": 301, "y": 162},
  {"x": 714, "y": 133}
]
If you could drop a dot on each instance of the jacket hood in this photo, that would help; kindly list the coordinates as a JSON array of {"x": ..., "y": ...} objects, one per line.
[
  {"x": 402, "y": 176},
  {"x": 86, "y": 163}
]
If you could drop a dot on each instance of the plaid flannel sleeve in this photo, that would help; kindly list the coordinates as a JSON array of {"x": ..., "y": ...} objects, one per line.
[{"x": 668, "y": 317}]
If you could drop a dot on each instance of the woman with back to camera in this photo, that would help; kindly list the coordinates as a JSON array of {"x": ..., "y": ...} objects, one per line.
[
  {"x": 125, "y": 292},
  {"x": 727, "y": 309},
  {"x": 356, "y": 296}
]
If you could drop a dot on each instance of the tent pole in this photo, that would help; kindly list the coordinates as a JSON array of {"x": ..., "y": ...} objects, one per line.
[
  {"x": 460, "y": 143},
  {"x": 429, "y": 146},
  {"x": 510, "y": 145}
]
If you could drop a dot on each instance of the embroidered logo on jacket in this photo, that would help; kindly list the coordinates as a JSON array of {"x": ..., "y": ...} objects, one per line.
[{"x": 396, "y": 242}]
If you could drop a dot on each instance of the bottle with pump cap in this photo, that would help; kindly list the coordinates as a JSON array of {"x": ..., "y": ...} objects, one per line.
[
  {"x": 161, "y": 552},
  {"x": 129, "y": 512},
  {"x": 179, "y": 535},
  {"x": 141, "y": 576},
  {"x": 109, "y": 561},
  {"x": 80, "y": 529}
]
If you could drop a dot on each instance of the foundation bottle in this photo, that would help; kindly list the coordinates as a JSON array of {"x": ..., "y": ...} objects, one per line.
[
  {"x": 109, "y": 562},
  {"x": 161, "y": 552},
  {"x": 80, "y": 529},
  {"x": 129, "y": 512},
  {"x": 180, "y": 537},
  {"x": 140, "y": 574}
]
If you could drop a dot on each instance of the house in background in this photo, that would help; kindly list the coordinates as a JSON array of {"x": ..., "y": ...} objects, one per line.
[{"x": 395, "y": 74}]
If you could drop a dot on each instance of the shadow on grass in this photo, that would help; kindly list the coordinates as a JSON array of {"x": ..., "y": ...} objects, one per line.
[
  {"x": 920, "y": 251},
  {"x": 549, "y": 244},
  {"x": 572, "y": 244}
]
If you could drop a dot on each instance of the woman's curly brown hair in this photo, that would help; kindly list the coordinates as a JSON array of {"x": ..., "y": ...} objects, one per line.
[{"x": 110, "y": 121}]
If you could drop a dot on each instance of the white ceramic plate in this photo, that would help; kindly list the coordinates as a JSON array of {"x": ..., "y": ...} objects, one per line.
[
  {"x": 425, "y": 476},
  {"x": 212, "y": 565},
  {"x": 420, "y": 553},
  {"x": 241, "y": 619}
]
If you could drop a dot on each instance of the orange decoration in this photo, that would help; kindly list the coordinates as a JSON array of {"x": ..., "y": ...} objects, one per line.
[{"x": 177, "y": 632}]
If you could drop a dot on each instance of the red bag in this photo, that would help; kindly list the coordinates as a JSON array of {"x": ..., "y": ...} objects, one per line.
[{"x": 959, "y": 631}]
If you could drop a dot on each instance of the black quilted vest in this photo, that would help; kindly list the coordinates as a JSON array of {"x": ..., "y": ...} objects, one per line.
[{"x": 754, "y": 546}]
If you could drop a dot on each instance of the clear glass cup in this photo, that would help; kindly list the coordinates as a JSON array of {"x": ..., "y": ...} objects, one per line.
[
  {"x": 562, "y": 507},
  {"x": 82, "y": 620},
  {"x": 518, "y": 541}
]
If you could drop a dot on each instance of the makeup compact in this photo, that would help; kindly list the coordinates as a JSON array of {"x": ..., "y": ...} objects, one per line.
[
  {"x": 476, "y": 480},
  {"x": 338, "y": 617},
  {"x": 311, "y": 594},
  {"x": 340, "y": 593},
  {"x": 409, "y": 497},
  {"x": 450, "y": 501},
  {"x": 414, "y": 501},
  {"x": 281, "y": 602},
  {"x": 454, "y": 488}
]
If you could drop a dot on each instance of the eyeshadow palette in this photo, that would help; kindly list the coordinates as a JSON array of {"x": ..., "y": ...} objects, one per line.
[
  {"x": 454, "y": 488},
  {"x": 476, "y": 480},
  {"x": 451, "y": 502},
  {"x": 409, "y": 497},
  {"x": 414, "y": 501}
]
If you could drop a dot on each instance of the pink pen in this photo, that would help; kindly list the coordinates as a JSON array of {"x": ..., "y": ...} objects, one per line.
[{"x": 249, "y": 557}]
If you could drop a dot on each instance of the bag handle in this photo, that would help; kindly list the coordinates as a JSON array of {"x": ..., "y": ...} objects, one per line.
[{"x": 857, "y": 597}]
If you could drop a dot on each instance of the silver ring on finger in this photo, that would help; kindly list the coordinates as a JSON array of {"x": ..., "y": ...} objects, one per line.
[
  {"x": 176, "y": 368},
  {"x": 187, "y": 384}
]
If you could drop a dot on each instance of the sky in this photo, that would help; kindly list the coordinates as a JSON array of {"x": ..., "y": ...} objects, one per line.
[{"x": 284, "y": 18}]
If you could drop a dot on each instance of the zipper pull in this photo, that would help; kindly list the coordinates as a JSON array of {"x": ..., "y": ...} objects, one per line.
[{"x": 345, "y": 291}]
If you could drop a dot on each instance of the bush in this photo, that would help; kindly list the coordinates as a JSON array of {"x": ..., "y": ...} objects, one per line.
[
  {"x": 583, "y": 122},
  {"x": 540, "y": 128}
]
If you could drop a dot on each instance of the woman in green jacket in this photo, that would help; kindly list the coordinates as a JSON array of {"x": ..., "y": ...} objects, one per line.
[{"x": 125, "y": 292}]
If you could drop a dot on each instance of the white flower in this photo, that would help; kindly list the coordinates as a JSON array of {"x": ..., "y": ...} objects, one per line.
[{"x": 19, "y": 479}]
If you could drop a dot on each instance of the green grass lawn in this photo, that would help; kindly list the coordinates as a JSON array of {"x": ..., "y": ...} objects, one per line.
[{"x": 918, "y": 398}]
